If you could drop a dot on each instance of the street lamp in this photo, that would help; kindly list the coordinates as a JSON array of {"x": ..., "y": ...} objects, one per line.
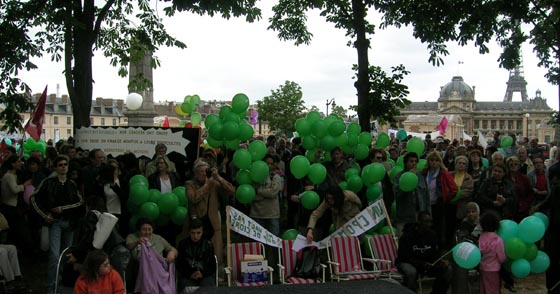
[
  {"x": 330, "y": 102},
  {"x": 527, "y": 115}
]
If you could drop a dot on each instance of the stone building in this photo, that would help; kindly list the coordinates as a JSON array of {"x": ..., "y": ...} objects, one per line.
[{"x": 457, "y": 102}]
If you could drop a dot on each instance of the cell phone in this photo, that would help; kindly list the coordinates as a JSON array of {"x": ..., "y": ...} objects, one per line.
[{"x": 208, "y": 172}]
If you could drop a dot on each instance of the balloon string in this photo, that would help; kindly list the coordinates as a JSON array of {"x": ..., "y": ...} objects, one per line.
[{"x": 441, "y": 257}]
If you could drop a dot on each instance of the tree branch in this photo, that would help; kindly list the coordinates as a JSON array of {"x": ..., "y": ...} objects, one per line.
[{"x": 101, "y": 17}]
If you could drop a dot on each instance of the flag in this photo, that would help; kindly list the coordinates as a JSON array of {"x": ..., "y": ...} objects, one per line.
[
  {"x": 34, "y": 126},
  {"x": 482, "y": 140},
  {"x": 442, "y": 126},
  {"x": 165, "y": 122}
]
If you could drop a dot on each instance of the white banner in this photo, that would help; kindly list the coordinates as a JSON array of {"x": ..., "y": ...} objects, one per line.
[
  {"x": 356, "y": 226},
  {"x": 246, "y": 226}
]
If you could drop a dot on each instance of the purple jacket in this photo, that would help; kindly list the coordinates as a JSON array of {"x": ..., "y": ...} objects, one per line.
[
  {"x": 155, "y": 276},
  {"x": 493, "y": 252}
]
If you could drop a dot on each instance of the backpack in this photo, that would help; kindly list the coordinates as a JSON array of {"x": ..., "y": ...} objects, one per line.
[{"x": 308, "y": 263}]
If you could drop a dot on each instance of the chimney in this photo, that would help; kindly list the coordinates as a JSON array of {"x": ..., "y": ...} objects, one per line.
[
  {"x": 52, "y": 98},
  {"x": 108, "y": 102},
  {"x": 120, "y": 104},
  {"x": 64, "y": 99},
  {"x": 98, "y": 101}
]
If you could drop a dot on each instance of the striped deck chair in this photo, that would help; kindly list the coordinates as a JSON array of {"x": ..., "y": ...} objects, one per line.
[
  {"x": 345, "y": 260},
  {"x": 288, "y": 259},
  {"x": 238, "y": 251},
  {"x": 385, "y": 253}
]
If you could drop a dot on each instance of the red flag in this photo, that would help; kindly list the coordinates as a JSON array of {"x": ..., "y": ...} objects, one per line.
[
  {"x": 34, "y": 126},
  {"x": 165, "y": 122},
  {"x": 442, "y": 126}
]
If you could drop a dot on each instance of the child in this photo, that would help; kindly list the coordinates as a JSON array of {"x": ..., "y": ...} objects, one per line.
[
  {"x": 98, "y": 276},
  {"x": 196, "y": 264},
  {"x": 493, "y": 254}
]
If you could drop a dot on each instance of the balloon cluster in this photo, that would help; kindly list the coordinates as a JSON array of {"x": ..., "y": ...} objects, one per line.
[
  {"x": 331, "y": 132},
  {"x": 252, "y": 169},
  {"x": 188, "y": 108},
  {"x": 229, "y": 128},
  {"x": 151, "y": 203},
  {"x": 519, "y": 239},
  {"x": 31, "y": 145}
]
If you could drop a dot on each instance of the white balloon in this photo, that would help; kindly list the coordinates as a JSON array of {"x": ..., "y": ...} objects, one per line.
[{"x": 134, "y": 101}]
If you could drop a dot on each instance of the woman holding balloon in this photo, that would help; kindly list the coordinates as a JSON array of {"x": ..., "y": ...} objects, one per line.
[{"x": 497, "y": 193}]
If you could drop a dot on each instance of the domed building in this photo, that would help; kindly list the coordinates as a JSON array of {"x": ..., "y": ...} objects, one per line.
[{"x": 457, "y": 102}]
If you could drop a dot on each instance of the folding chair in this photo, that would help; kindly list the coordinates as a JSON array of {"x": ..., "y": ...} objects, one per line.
[
  {"x": 238, "y": 251},
  {"x": 61, "y": 259},
  {"x": 288, "y": 259},
  {"x": 345, "y": 260},
  {"x": 385, "y": 253}
]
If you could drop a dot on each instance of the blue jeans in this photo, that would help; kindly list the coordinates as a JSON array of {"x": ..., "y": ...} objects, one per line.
[{"x": 60, "y": 238}]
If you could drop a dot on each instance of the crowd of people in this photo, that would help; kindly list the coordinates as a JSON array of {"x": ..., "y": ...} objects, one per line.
[{"x": 463, "y": 190}]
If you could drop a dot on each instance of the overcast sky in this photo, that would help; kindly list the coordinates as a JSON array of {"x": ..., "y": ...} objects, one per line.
[{"x": 225, "y": 57}]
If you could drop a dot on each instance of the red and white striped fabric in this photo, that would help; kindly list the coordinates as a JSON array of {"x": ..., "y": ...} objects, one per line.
[
  {"x": 346, "y": 252},
  {"x": 288, "y": 259},
  {"x": 238, "y": 251},
  {"x": 384, "y": 248}
]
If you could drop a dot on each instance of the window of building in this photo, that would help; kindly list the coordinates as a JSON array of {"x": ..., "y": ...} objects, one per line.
[
  {"x": 519, "y": 124},
  {"x": 476, "y": 124},
  {"x": 493, "y": 124},
  {"x": 55, "y": 120},
  {"x": 114, "y": 121},
  {"x": 68, "y": 120},
  {"x": 102, "y": 121},
  {"x": 510, "y": 124},
  {"x": 484, "y": 124},
  {"x": 68, "y": 132},
  {"x": 547, "y": 139},
  {"x": 502, "y": 123}
]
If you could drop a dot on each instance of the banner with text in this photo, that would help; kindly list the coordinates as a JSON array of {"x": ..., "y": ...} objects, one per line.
[
  {"x": 356, "y": 226},
  {"x": 246, "y": 226},
  {"x": 139, "y": 140}
]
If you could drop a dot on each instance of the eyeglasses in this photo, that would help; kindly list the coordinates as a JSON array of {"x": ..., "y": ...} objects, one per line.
[
  {"x": 62, "y": 164},
  {"x": 379, "y": 157},
  {"x": 514, "y": 164}
]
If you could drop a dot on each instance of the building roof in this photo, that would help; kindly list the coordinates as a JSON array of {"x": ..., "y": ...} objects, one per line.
[{"x": 457, "y": 89}]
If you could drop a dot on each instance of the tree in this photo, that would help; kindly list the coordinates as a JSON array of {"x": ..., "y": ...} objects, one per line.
[
  {"x": 314, "y": 108},
  {"x": 340, "y": 111},
  {"x": 283, "y": 107},
  {"x": 290, "y": 21},
  {"x": 71, "y": 30}
]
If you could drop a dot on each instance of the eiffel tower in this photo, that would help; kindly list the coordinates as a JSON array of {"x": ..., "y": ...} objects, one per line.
[{"x": 516, "y": 83}]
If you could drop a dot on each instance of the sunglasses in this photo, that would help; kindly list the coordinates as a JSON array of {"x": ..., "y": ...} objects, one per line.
[{"x": 62, "y": 164}]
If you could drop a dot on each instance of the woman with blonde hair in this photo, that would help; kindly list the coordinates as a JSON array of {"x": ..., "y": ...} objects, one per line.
[{"x": 465, "y": 184}]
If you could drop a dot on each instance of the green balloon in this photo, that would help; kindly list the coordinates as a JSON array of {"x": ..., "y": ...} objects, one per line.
[
  {"x": 531, "y": 252},
  {"x": 543, "y": 217},
  {"x": 394, "y": 171},
  {"x": 541, "y": 263},
  {"x": 303, "y": 127},
  {"x": 231, "y": 116},
  {"x": 382, "y": 141},
  {"x": 214, "y": 143},
  {"x": 309, "y": 142},
  {"x": 246, "y": 131},
  {"x": 138, "y": 194},
  {"x": 179, "y": 215},
  {"x": 415, "y": 145},
  {"x": 195, "y": 99},
  {"x": 230, "y": 130},
  {"x": 400, "y": 161},
  {"x": 243, "y": 177},
  {"x": 328, "y": 143},
  {"x": 154, "y": 195},
  {"x": 245, "y": 194},
  {"x": 196, "y": 118},
  {"x": 355, "y": 183},
  {"x": 242, "y": 159},
  {"x": 149, "y": 210},
  {"x": 138, "y": 179},
  {"x": 181, "y": 194},
  {"x": 216, "y": 132},
  {"x": 466, "y": 255},
  {"x": 365, "y": 138},
  {"x": 353, "y": 140},
  {"x": 408, "y": 181},
  {"x": 373, "y": 193},
  {"x": 240, "y": 103},
  {"x": 520, "y": 268},
  {"x": 313, "y": 116},
  {"x": 341, "y": 140},
  {"x": 186, "y": 108},
  {"x": 310, "y": 200},
  {"x": 361, "y": 151},
  {"x": 508, "y": 229},
  {"x": 259, "y": 171},
  {"x": 319, "y": 128},
  {"x": 421, "y": 164},
  {"x": 336, "y": 128},
  {"x": 167, "y": 203},
  {"x": 506, "y": 141},
  {"x": 317, "y": 173},
  {"x": 386, "y": 230},
  {"x": 350, "y": 172},
  {"x": 132, "y": 207},
  {"x": 299, "y": 166},
  {"x": 162, "y": 220},
  {"x": 310, "y": 154},
  {"x": 515, "y": 248},
  {"x": 210, "y": 120},
  {"x": 290, "y": 234},
  {"x": 531, "y": 229},
  {"x": 257, "y": 149},
  {"x": 354, "y": 128},
  {"x": 401, "y": 135},
  {"x": 224, "y": 110},
  {"x": 232, "y": 144},
  {"x": 373, "y": 173},
  {"x": 343, "y": 185}
]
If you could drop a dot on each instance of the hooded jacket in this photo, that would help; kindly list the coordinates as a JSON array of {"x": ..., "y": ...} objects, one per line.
[{"x": 493, "y": 253}]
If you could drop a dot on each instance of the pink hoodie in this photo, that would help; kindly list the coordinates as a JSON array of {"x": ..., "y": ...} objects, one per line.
[{"x": 493, "y": 252}]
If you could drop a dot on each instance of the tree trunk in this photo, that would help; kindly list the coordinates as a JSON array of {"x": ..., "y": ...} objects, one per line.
[{"x": 362, "y": 45}]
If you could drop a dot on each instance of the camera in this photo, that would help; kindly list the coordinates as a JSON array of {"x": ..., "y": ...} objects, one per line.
[{"x": 209, "y": 172}]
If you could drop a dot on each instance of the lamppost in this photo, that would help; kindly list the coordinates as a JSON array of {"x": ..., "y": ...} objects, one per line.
[
  {"x": 527, "y": 115},
  {"x": 330, "y": 102}
]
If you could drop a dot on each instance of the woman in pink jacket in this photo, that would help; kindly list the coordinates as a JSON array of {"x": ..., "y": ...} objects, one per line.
[{"x": 493, "y": 254}]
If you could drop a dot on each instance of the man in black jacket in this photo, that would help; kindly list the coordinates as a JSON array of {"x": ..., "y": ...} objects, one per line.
[
  {"x": 418, "y": 252},
  {"x": 196, "y": 264}
]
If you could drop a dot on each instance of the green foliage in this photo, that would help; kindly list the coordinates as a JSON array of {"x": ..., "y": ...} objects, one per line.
[
  {"x": 340, "y": 111},
  {"x": 386, "y": 93},
  {"x": 283, "y": 107},
  {"x": 227, "y": 8}
]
